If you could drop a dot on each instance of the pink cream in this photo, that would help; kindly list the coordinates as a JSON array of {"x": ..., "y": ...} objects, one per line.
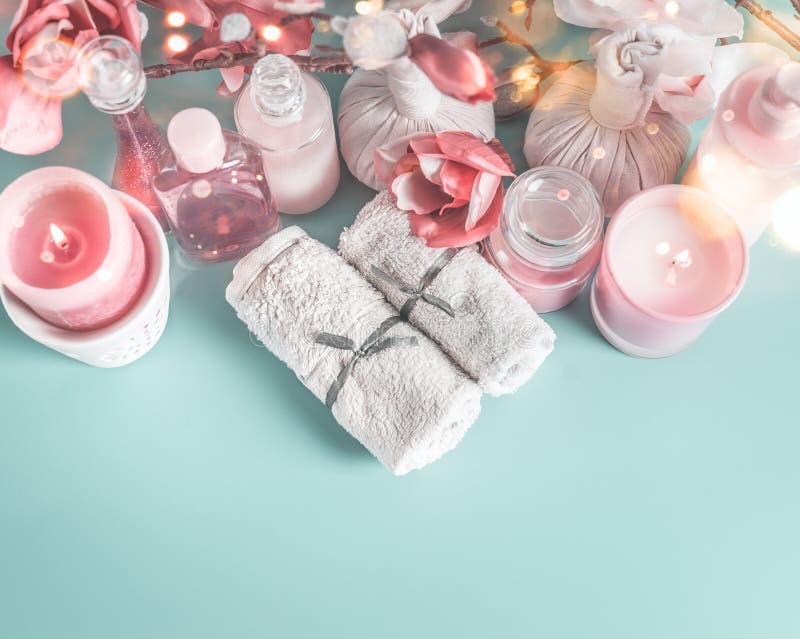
[{"x": 550, "y": 236}]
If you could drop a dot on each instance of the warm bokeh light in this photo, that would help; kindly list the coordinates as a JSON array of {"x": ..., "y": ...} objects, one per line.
[
  {"x": 671, "y": 8},
  {"x": 708, "y": 163},
  {"x": 598, "y": 153},
  {"x": 176, "y": 19},
  {"x": 271, "y": 32},
  {"x": 662, "y": 248},
  {"x": 365, "y": 7},
  {"x": 786, "y": 219},
  {"x": 517, "y": 7},
  {"x": 177, "y": 43}
]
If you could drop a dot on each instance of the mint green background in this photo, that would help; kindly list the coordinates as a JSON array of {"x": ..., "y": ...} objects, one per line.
[{"x": 203, "y": 493}]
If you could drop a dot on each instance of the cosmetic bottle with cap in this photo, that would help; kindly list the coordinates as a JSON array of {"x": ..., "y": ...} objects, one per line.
[
  {"x": 750, "y": 154},
  {"x": 287, "y": 112},
  {"x": 112, "y": 77},
  {"x": 213, "y": 189}
]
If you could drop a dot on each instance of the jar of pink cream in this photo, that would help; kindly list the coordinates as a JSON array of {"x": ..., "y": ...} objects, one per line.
[{"x": 550, "y": 236}]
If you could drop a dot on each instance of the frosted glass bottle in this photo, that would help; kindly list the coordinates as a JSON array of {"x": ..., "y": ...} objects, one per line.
[
  {"x": 287, "y": 112},
  {"x": 112, "y": 77},
  {"x": 750, "y": 154},
  {"x": 213, "y": 190}
]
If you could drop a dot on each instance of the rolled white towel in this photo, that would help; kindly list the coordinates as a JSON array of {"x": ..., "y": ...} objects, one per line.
[
  {"x": 403, "y": 399},
  {"x": 489, "y": 330}
]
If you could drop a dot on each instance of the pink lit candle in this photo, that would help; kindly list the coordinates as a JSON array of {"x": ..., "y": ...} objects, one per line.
[
  {"x": 673, "y": 259},
  {"x": 68, "y": 248}
]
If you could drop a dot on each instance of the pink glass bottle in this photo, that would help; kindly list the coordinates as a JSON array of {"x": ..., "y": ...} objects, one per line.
[
  {"x": 550, "y": 236},
  {"x": 287, "y": 112},
  {"x": 213, "y": 189},
  {"x": 113, "y": 79},
  {"x": 750, "y": 154}
]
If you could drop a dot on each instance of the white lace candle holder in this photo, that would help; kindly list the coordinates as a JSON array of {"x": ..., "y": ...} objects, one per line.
[{"x": 130, "y": 337}]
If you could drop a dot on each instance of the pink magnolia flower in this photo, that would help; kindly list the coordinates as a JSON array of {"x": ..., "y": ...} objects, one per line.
[
  {"x": 457, "y": 71},
  {"x": 450, "y": 183},
  {"x": 295, "y": 34},
  {"x": 44, "y": 39},
  {"x": 207, "y": 13},
  {"x": 701, "y": 18}
]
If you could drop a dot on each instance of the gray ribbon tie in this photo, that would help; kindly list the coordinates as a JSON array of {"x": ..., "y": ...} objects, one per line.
[
  {"x": 416, "y": 294},
  {"x": 371, "y": 346}
]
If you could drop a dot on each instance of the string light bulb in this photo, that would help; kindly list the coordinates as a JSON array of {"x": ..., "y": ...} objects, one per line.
[
  {"x": 176, "y": 19},
  {"x": 177, "y": 43},
  {"x": 365, "y": 7},
  {"x": 271, "y": 32}
]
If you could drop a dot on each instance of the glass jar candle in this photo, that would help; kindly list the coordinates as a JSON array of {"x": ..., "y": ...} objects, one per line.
[
  {"x": 673, "y": 260},
  {"x": 550, "y": 236}
]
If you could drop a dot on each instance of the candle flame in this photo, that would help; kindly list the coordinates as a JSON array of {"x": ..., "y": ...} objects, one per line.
[
  {"x": 683, "y": 259},
  {"x": 58, "y": 237}
]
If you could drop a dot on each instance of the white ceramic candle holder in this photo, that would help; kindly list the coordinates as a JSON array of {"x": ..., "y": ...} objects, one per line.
[{"x": 127, "y": 339}]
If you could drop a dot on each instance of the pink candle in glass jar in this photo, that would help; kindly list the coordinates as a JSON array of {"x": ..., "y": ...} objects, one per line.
[
  {"x": 68, "y": 248},
  {"x": 674, "y": 258},
  {"x": 550, "y": 236}
]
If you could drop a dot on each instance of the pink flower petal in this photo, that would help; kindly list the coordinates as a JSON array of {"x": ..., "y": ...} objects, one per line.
[
  {"x": 431, "y": 167},
  {"x": 386, "y": 157},
  {"x": 425, "y": 144},
  {"x": 448, "y": 230},
  {"x": 415, "y": 193},
  {"x": 29, "y": 123},
  {"x": 468, "y": 149},
  {"x": 233, "y": 78},
  {"x": 459, "y": 73},
  {"x": 457, "y": 179},
  {"x": 483, "y": 192},
  {"x": 705, "y": 18},
  {"x": 405, "y": 164},
  {"x": 32, "y": 25},
  {"x": 196, "y": 11}
]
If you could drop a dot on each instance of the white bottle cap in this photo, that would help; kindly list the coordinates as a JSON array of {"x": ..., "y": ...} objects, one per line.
[
  {"x": 195, "y": 136},
  {"x": 775, "y": 108}
]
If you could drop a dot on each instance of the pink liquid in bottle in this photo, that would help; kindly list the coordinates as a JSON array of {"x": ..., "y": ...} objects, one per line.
[
  {"x": 112, "y": 77},
  {"x": 213, "y": 189},
  {"x": 288, "y": 113}
]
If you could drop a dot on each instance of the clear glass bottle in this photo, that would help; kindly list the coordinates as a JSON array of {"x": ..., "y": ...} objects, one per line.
[
  {"x": 287, "y": 112},
  {"x": 213, "y": 189},
  {"x": 750, "y": 153},
  {"x": 112, "y": 77},
  {"x": 550, "y": 236}
]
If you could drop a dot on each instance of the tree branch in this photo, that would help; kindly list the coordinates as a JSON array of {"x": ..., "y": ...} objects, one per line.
[
  {"x": 315, "y": 64},
  {"x": 768, "y": 18},
  {"x": 549, "y": 66}
]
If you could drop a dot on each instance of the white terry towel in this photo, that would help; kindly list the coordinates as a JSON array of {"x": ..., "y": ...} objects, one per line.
[
  {"x": 406, "y": 403},
  {"x": 490, "y": 331}
]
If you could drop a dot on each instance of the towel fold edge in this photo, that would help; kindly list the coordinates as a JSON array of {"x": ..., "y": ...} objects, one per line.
[{"x": 248, "y": 268}]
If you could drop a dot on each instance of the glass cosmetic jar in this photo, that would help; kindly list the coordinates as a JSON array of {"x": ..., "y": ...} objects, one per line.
[{"x": 550, "y": 236}]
